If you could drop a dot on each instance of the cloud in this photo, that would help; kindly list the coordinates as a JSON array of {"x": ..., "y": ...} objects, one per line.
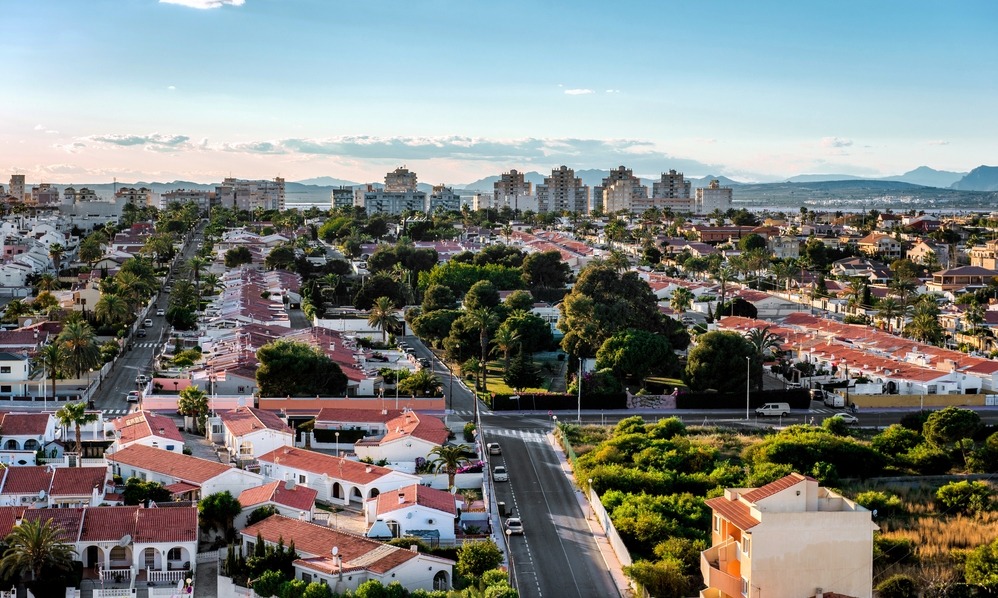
[
  {"x": 938, "y": 142},
  {"x": 833, "y": 142},
  {"x": 578, "y": 92},
  {"x": 612, "y": 91},
  {"x": 39, "y": 127},
  {"x": 153, "y": 142},
  {"x": 171, "y": 87},
  {"x": 204, "y": 4}
]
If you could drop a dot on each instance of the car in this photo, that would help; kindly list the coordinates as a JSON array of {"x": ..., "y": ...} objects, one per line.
[
  {"x": 147, "y": 323},
  {"x": 846, "y": 417},
  {"x": 133, "y": 397},
  {"x": 499, "y": 474},
  {"x": 142, "y": 379},
  {"x": 774, "y": 409},
  {"x": 424, "y": 362},
  {"x": 160, "y": 312},
  {"x": 141, "y": 333},
  {"x": 514, "y": 526},
  {"x": 494, "y": 448}
]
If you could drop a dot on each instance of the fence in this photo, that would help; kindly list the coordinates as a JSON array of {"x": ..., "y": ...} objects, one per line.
[
  {"x": 161, "y": 576},
  {"x": 991, "y": 400},
  {"x": 599, "y": 512},
  {"x": 114, "y": 593},
  {"x": 209, "y": 557}
]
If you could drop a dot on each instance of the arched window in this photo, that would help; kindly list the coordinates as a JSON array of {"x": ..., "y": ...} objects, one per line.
[
  {"x": 176, "y": 553},
  {"x": 31, "y": 444},
  {"x": 118, "y": 554},
  {"x": 440, "y": 581}
]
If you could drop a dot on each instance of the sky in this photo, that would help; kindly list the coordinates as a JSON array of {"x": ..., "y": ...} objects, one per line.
[{"x": 197, "y": 90}]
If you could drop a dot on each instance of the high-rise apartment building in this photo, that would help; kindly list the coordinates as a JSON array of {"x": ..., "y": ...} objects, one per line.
[
  {"x": 444, "y": 198},
  {"x": 400, "y": 181},
  {"x": 250, "y": 195},
  {"x": 712, "y": 197},
  {"x": 70, "y": 195},
  {"x": 17, "y": 186},
  {"x": 45, "y": 195},
  {"x": 562, "y": 192},
  {"x": 341, "y": 197},
  {"x": 136, "y": 197},
  {"x": 203, "y": 199},
  {"x": 672, "y": 184},
  {"x": 619, "y": 191},
  {"x": 511, "y": 188}
]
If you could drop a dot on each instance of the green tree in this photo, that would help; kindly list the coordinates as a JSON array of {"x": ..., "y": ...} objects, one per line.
[
  {"x": 660, "y": 578},
  {"x": 90, "y": 250},
  {"x": 633, "y": 354},
  {"x": 423, "y": 382},
  {"x": 522, "y": 373},
  {"x": 138, "y": 491},
  {"x": 718, "y": 362},
  {"x": 260, "y": 513},
  {"x": 981, "y": 567},
  {"x": 289, "y": 368},
  {"x": 237, "y": 256},
  {"x": 192, "y": 402},
  {"x": 898, "y": 586},
  {"x": 218, "y": 511},
  {"x": 952, "y": 426},
  {"x": 475, "y": 558},
  {"x": 681, "y": 299},
  {"x": 111, "y": 309},
  {"x": 268, "y": 584},
  {"x": 447, "y": 459},
  {"x": 80, "y": 346},
  {"x": 34, "y": 548},
  {"x": 481, "y": 294},
  {"x": 966, "y": 496},
  {"x": 545, "y": 269},
  {"x": 484, "y": 320},
  {"x": 533, "y": 333},
  {"x": 281, "y": 257},
  {"x": 752, "y": 241},
  {"x": 75, "y": 415},
  {"x": 519, "y": 300},
  {"x": 505, "y": 340},
  {"x": 51, "y": 360},
  {"x": 889, "y": 311},
  {"x": 437, "y": 297},
  {"x": 383, "y": 316}
]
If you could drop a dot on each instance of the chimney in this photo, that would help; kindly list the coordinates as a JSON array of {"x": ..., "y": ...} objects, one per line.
[
  {"x": 401, "y": 498},
  {"x": 290, "y": 484},
  {"x": 818, "y": 593}
]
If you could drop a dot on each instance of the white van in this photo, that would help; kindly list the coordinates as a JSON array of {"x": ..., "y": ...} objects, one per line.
[{"x": 773, "y": 409}]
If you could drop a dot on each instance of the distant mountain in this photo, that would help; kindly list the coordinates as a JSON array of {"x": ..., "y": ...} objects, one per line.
[
  {"x": 821, "y": 178},
  {"x": 722, "y": 180},
  {"x": 982, "y": 178},
  {"x": 328, "y": 181},
  {"x": 929, "y": 177}
]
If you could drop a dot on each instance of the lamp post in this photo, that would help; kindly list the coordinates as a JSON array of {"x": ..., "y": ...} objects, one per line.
[
  {"x": 589, "y": 487},
  {"x": 337, "y": 444},
  {"x": 579, "y": 407},
  {"x": 748, "y": 383},
  {"x": 512, "y": 564}
]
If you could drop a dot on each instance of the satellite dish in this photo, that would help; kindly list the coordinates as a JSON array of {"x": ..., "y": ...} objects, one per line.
[
  {"x": 453, "y": 490},
  {"x": 336, "y": 550},
  {"x": 125, "y": 540},
  {"x": 27, "y": 322},
  {"x": 41, "y": 494},
  {"x": 874, "y": 513}
]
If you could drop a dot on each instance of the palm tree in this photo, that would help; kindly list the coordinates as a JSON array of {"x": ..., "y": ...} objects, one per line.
[
  {"x": 34, "y": 547},
  {"x": 681, "y": 300},
  {"x": 55, "y": 252},
  {"x": 889, "y": 310},
  {"x": 75, "y": 415},
  {"x": 423, "y": 382},
  {"x": 48, "y": 282},
  {"x": 383, "y": 316},
  {"x": 763, "y": 340},
  {"x": 448, "y": 458},
  {"x": 51, "y": 359},
  {"x": 974, "y": 316},
  {"x": 111, "y": 309},
  {"x": 484, "y": 319},
  {"x": 131, "y": 288},
  {"x": 82, "y": 352},
  {"x": 505, "y": 339}
]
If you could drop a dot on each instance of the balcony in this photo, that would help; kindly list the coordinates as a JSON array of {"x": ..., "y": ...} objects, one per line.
[{"x": 720, "y": 568}]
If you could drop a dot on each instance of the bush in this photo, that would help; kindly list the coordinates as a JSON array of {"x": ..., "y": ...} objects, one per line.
[
  {"x": 896, "y": 440},
  {"x": 898, "y": 586},
  {"x": 469, "y": 432},
  {"x": 892, "y": 551},
  {"x": 886, "y": 505},
  {"x": 965, "y": 497},
  {"x": 928, "y": 460}
]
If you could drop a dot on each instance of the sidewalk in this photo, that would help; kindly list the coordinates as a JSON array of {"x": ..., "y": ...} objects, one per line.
[{"x": 613, "y": 564}]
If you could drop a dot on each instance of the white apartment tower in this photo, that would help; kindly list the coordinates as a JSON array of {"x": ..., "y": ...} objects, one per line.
[
  {"x": 510, "y": 189},
  {"x": 562, "y": 192},
  {"x": 672, "y": 184},
  {"x": 400, "y": 181},
  {"x": 443, "y": 198},
  {"x": 250, "y": 195},
  {"x": 17, "y": 186},
  {"x": 619, "y": 191},
  {"x": 341, "y": 197},
  {"x": 713, "y": 197}
]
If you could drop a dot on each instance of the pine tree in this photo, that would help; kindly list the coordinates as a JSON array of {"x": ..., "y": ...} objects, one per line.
[{"x": 522, "y": 372}]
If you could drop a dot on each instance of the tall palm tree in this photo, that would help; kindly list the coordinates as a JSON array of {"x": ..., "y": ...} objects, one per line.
[
  {"x": 484, "y": 319},
  {"x": 82, "y": 352},
  {"x": 111, "y": 309},
  {"x": 50, "y": 360},
  {"x": 48, "y": 282},
  {"x": 763, "y": 340},
  {"x": 423, "y": 382},
  {"x": 197, "y": 265},
  {"x": 505, "y": 339},
  {"x": 448, "y": 458},
  {"x": 974, "y": 316},
  {"x": 681, "y": 300},
  {"x": 383, "y": 316},
  {"x": 55, "y": 252},
  {"x": 131, "y": 288},
  {"x": 889, "y": 310},
  {"x": 75, "y": 415},
  {"x": 34, "y": 547}
]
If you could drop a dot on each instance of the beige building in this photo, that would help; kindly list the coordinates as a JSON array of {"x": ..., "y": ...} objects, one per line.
[
  {"x": 619, "y": 192},
  {"x": 510, "y": 188},
  {"x": 672, "y": 184},
  {"x": 791, "y": 537},
  {"x": 562, "y": 192},
  {"x": 400, "y": 181},
  {"x": 137, "y": 197},
  {"x": 17, "y": 186},
  {"x": 984, "y": 256},
  {"x": 712, "y": 197},
  {"x": 249, "y": 195}
]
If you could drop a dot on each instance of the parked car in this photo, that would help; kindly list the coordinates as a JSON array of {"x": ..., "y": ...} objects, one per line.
[
  {"x": 499, "y": 474},
  {"x": 147, "y": 323},
  {"x": 846, "y": 417},
  {"x": 514, "y": 526},
  {"x": 494, "y": 448},
  {"x": 133, "y": 397},
  {"x": 142, "y": 379},
  {"x": 141, "y": 332}
]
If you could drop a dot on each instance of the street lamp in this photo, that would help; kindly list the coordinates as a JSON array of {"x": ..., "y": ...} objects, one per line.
[
  {"x": 579, "y": 408},
  {"x": 337, "y": 444},
  {"x": 509, "y": 549},
  {"x": 748, "y": 381}
]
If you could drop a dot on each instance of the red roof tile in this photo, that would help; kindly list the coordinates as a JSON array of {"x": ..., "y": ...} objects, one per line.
[
  {"x": 734, "y": 511},
  {"x": 143, "y": 424},
  {"x": 78, "y": 481},
  {"x": 430, "y": 498},
  {"x": 334, "y": 414},
  {"x": 24, "y": 424},
  {"x": 245, "y": 420},
  {"x": 339, "y": 468},
  {"x": 299, "y": 497},
  {"x": 68, "y": 520},
  {"x": 29, "y": 479},
  {"x": 180, "y": 488},
  {"x": 167, "y": 525},
  {"x": 108, "y": 524},
  {"x": 789, "y": 481},
  {"x": 426, "y": 427},
  {"x": 181, "y": 467}
]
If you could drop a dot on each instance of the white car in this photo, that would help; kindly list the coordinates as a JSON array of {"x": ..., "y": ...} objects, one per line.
[
  {"x": 142, "y": 379},
  {"x": 514, "y": 526},
  {"x": 160, "y": 312},
  {"x": 133, "y": 397},
  {"x": 499, "y": 474},
  {"x": 847, "y": 418}
]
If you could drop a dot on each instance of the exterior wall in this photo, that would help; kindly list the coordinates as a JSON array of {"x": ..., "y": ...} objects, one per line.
[
  {"x": 415, "y": 518},
  {"x": 261, "y": 441},
  {"x": 337, "y": 491},
  {"x": 414, "y": 574},
  {"x": 240, "y": 521},
  {"x": 909, "y": 401},
  {"x": 397, "y": 450},
  {"x": 310, "y": 404},
  {"x": 166, "y": 444},
  {"x": 234, "y": 480}
]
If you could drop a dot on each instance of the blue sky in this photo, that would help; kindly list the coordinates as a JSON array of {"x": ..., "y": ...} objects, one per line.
[{"x": 458, "y": 90}]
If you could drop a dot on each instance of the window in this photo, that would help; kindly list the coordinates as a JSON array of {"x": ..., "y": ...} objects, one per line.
[
  {"x": 169, "y": 447},
  {"x": 717, "y": 523},
  {"x": 175, "y": 554},
  {"x": 746, "y": 545},
  {"x": 5, "y": 388},
  {"x": 307, "y": 578},
  {"x": 4, "y": 369},
  {"x": 744, "y": 587},
  {"x": 301, "y": 478}
]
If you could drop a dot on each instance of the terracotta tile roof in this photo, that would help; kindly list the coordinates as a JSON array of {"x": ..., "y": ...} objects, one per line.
[
  {"x": 426, "y": 427},
  {"x": 440, "y": 500},
  {"x": 181, "y": 467},
  {"x": 245, "y": 420},
  {"x": 180, "y": 488},
  {"x": 29, "y": 479},
  {"x": 24, "y": 424},
  {"x": 338, "y": 468},
  {"x": 333, "y": 414},
  {"x": 108, "y": 524},
  {"x": 789, "y": 481},
  {"x": 167, "y": 525},
  {"x": 143, "y": 424},
  {"x": 69, "y": 520},
  {"x": 734, "y": 511},
  {"x": 314, "y": 540},
  {"x": 299, "y": 497},
  {"x": 8, "y": 516},
  {"x": 78, "y": 481}
]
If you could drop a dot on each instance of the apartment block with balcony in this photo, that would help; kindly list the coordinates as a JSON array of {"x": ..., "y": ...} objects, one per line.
[
  {"x": 620, "y": 192},
  {"x": 791, "y": 537},
  {"x": 562, "y": 192},
  {"x": 712, "y": 197},
  {"x": 511, "y": 189}
]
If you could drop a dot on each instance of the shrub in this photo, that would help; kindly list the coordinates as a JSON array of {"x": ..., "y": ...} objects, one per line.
[
  {"x": 965, "y": 497},
  {"x": 915, "y": 420},
  {"x": 891, "y": 551},
  {"x": 928, "y": 460},
  {"x": 886, "y": 505},
  {"x": 836, "y": 425},
  {"x": 469, "y": 432},
  {"x": 898, "y": 586},
  {"x": 896, "y": 440}
]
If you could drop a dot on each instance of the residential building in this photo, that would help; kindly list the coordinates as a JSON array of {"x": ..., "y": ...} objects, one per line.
[
  {"x": 791, "y": 537},
  {"x": 344, "y": 561},
  {"x": 408, "y": 437},
  {"x": 880, "y": 245},
  {"x": 27, "y": 431},
  {"x": 928, "y": 253},
  {"x": 443, "y": 198},
  {"x": 136, "y": 197},
  {"x": 784, "y": 247},
  {"x": 417, "y": 511},
  {"x": 963, "y": 279},
  {"x": 341, "y": 197},
  {"x": 249, "y": 432},
  {"x": 393, "y": 202},
  {"x": 619, "y": 191},
  {"x": 249, "y": 195},
  {"x": 48, "y": 486},
  {"x": 45, "y": 195},
  {"x": 71, "y": 196},
  {"x": 986, "y": 255},
  {"x": 337, "y": 480},
  {"x": 186, "y": 477},
  {"x": 671, "y": 185},
  {"x": 148, "y": 429},
  {"x": 203, "y": 199},
  {"x": 510, "y": 188},
  {"x": 16, "y": 187},
  {"x": 712, "y": 197},
  {"x": 401, "y": 180},
  {"x": 287, "y": 498},
  {"x": 562, "y": 192},
  {"x": 14, "y": 375}
]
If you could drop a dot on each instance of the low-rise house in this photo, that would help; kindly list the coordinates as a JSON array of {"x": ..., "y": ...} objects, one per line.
[
  {"x": 344, "y": 561},
  {"x": 788, "y": 538},
  {"x": 185, "y": 476},
  {"x": 27, "y": 431},
  {"x": 415, "y": 510},
  {"x": 879, "y": 244},
  {"x": 286, "y": 498},
  {"x": 148, "y": 429},
  {"x": 408, "y": 437},
  {"x": 14, "y": 375},
  {"x": 248, "y": 432},
  {"x": 336, "y": 479},
  {"x": 962, "y": 279},
  {"x": 49, "y": 486}
]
